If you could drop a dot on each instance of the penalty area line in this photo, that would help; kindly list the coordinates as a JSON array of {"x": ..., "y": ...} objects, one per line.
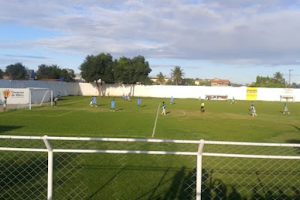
[
  {"x": 70, "y": 112},
  {"x": 155, "y": 121}
]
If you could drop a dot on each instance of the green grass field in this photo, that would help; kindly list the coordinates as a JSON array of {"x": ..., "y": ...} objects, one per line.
[
  {"x": 221, "y": 121},
  {"x": 115, "y": 176}
]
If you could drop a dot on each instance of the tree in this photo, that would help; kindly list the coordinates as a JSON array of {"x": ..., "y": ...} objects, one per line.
[
  {"x": 177, "y": 74},
  {"x": 17, "y": 72},
  {"x": 1, "y": 74},
  {"x": 188, "y": 81},
  {"x": 131, "y": 71},
  {"x": 161, "y": 78},
  {"x": 54, "y": 72},
  {"x": 96, "y": 67},
  {"x": 68, "y": 74},
  {"x": 48, "y": 72},
  {"x": 276, "y": 82},
  {"x": 141, "y": 70},
  {"x": 278, "y": 78}
]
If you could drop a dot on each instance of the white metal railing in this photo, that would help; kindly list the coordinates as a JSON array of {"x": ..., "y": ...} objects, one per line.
[{"x": 291, "y": 154}]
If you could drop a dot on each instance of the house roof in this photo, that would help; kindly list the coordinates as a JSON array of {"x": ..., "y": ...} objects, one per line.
[{"x": 219, "y": 81}]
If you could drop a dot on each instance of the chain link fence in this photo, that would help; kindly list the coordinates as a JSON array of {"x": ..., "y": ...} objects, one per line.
[{"x": 102, "y": 168}]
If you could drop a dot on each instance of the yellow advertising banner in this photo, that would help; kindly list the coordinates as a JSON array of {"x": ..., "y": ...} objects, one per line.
[{"x": 251, "y": 93}]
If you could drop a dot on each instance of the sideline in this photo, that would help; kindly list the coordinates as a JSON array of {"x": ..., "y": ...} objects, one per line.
[
  {"x": 155, "y": 121},
  {"x": 72, "y": 135}
]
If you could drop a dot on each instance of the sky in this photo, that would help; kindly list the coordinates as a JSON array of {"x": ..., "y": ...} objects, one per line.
[{"x": 227, "y": 39}]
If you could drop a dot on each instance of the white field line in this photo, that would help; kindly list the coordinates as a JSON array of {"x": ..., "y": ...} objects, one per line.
[
  {"x": 70, "y": 112},
  {"x": 155, "y": 121},
  {"x": 183, "y": 114}
]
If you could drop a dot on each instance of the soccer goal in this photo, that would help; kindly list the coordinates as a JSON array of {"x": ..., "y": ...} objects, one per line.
[
  {"x": 23, "y": 98},
  {"x": 287, "y": 98}
]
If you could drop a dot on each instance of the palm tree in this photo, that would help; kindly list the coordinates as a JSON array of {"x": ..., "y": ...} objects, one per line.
[
  {"x": 177, "y": 74},
  {"x": 161, "y": 78}
]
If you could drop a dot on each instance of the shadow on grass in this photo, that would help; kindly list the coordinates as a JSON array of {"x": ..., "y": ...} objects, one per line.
[
  {"x": 216, "y": 189},
  {"x": 295, "y": 141},
  {"x": 8, "y": 128},
  {"x": 24, "y": 174}
]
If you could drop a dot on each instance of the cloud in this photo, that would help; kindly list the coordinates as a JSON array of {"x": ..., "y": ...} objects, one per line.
[
  {"x": 230, "y": 31},
  {"x": 24, "y": 56}
]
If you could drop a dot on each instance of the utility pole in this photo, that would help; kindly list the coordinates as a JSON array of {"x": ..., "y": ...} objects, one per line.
[{"x": 290, "y": 77}]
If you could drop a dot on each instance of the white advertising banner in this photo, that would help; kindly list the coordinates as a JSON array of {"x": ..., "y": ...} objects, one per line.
[{"x": 15, "y": 95}]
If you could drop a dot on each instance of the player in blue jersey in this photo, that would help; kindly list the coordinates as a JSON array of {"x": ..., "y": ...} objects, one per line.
[
  {"x": 171, "y": 101},
  {"x": 112, "y": 107},
  {"x": 139, "y": 102},
  {"x": 94, "y": 102}
]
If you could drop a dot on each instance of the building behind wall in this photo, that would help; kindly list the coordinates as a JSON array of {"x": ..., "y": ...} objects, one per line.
[{"x": 219, "y": 82}]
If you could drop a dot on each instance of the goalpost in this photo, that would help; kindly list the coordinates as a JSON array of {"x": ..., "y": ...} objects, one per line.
[{"x": 23, "y": 98}]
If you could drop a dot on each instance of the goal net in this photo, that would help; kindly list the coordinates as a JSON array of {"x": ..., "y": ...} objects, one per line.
[{"x": 25, "y": 98}]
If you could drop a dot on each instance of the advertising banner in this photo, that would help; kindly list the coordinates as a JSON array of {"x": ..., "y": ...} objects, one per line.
[
  {"x": 15, "y": 95},
  {"x": 251, "y": 93}
]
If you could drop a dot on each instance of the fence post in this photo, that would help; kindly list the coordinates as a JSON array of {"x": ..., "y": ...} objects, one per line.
[
  {"x": 199, "y": 170},
  {"x": 50, "y": 168}
]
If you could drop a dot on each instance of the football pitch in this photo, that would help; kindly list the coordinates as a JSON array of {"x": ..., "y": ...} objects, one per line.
[
  {"x": 221, "y": 121},
  {"x": 130, "y": 176}
]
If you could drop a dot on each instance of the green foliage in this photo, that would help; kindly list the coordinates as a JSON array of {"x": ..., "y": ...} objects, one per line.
[
  {"x": 188, "y": 81},
  {"x": 17, "y": 71},
  {"x": 277, "y": 81},
  {"x": 204, "y": 83},
  {"x": 170, "y": 82},
  {"x": 1, "y": 73},
  {"x": 97, "y": 67},
  {"x": 54, "y": 72},
  {"x": 161, "y": 78},
  {"x": 131, "y": 71},
  {"x": 177, "y": 74},
  {"x": 124, "y": 70}
]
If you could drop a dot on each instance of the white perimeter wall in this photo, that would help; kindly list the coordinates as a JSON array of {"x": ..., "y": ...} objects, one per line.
[
  {"x": 88, "y": 89},
  {"x": 64, "y": 88}
]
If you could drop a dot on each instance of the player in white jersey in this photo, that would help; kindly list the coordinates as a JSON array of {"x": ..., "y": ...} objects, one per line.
[{"x": 252, "y": 108}]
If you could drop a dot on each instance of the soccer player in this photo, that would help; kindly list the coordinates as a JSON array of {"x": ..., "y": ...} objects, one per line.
[
  {"x": 286, "y": 109},
  {"x": 163, "y": 109},
  {"x": 171, "y": 101},
  {"x": 139, "y": 102},
  {"x": 4, "y": 104},
  {"x": 202, "y": 107},
  {"x": 123, "y": 97},
  {"x": 112, "y": 107},
  {"x": 233, "y": 100},
  {"x": 55, "y": 101},
  {"x": 94, "y": 101},
  {"x": 252, "y": 108}
]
